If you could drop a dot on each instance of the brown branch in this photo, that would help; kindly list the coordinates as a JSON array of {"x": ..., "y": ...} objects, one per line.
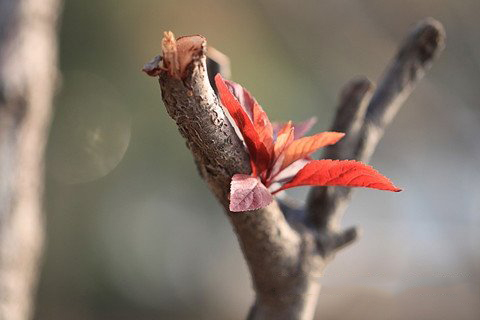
[
  {"x": 324, "y": 203},
  {"x": 271, "y": 246},
  {"x": 286, "y": 251},
  {"x": 369, "y": 117},
  {"x": 28, "y": 50},
  {"x": 191, "y": 102},
  {"x": 414, "y": 58}
]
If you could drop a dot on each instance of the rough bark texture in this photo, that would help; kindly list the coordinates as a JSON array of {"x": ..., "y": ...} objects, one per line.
[
  {"x": 286, "y": 248},
  {"x": 28, "y": 54}
]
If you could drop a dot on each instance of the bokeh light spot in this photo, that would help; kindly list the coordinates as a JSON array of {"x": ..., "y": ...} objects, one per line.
[{"x": 91, "y": 130}]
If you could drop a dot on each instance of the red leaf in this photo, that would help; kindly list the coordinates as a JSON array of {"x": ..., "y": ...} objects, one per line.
[
  {"x": 303, "y": 147},
  {"x": 258, "y": 152},
  {"x": 263, "y": 127},
  {"x": 259, "y": 118},
  {"x": 347, "y": 173},
  {"x": 243, "y": 96},
  {"x": 248, "y": 193},
  {"x": 285, "y": 137}
]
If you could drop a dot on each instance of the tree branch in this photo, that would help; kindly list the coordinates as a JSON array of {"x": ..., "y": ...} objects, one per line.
[
  {"x": 286, "y": 251},
  {"x": 271, "y": 246},
  {"x": 369, "y": 117},
  {"x": 414, "y": 58},
  {"x": 324, "y": 203}
]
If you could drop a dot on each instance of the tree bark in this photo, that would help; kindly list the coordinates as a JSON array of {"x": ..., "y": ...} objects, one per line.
[
  {"x": 28, "y": 74},
  {"x": 286, "y": 248}
]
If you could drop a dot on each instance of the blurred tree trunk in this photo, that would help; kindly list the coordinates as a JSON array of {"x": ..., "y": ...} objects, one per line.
[{"x": 28, "y": 58}]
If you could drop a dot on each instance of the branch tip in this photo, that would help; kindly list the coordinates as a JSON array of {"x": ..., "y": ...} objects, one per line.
[
  {"x": 428, "y": 38},
  {"x": 177, "y": 55},
  {"x": 353, "y": 102},
  {"x": 356, "y": 87},
  {"x": 346, "y": 238},
  {"x": 153, "y": 68}
]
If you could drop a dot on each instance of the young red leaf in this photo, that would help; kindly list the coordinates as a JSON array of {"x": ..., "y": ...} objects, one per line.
[
  {"x": 347, "y": 173},
  {"x": 285, "y": 137},
  {"x": 248, "y": 193},
  {"x": 258, "y": 152},
  {"x": 259, "y": 118},
  {"x": 243, "y": 96},
  {"x": 303, "y": 147},
  {"x": 263, "y": 127}
]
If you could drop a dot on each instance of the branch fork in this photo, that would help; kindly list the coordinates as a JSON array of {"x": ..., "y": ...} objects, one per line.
[{"x": 286, "y": 248}]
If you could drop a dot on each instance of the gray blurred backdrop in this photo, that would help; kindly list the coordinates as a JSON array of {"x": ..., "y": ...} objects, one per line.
[{"x": 133, "y": 232}]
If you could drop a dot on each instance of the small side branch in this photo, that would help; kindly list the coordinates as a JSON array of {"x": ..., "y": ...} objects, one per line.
[
  {"x": 325, "y": 203},
  {"x": 364, "y": 117},
  {"x": 414, "y": 58}
]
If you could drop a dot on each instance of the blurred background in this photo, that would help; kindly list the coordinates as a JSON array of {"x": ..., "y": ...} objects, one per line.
[{"x": 133, "y": 232}]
